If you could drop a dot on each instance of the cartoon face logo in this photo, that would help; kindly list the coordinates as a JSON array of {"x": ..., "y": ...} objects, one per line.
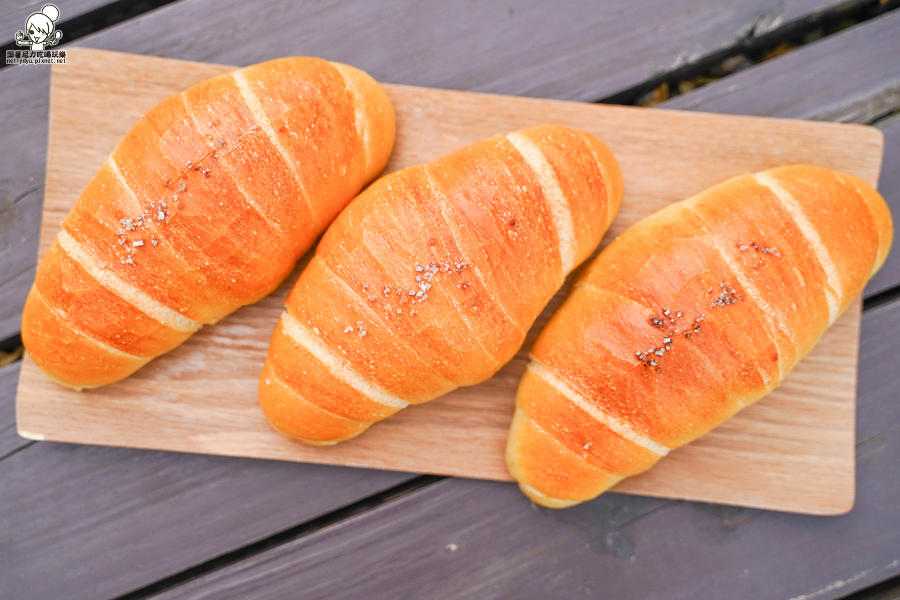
[{"x": 40, "y": 29}]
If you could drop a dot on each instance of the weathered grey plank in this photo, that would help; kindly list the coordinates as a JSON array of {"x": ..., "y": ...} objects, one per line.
[
  {"x": 463, "y": 539},
  {"x": 889, "y": 186},
  {"x": 9, "y": 439},
  {"x": 852, "y": 76},
  {"x": 847, "y": 77},
  {"x": 92, "y": 522},
  {"x": 23, "y": 112},
  {"x": 14, "y": 14},
  {"x": 887, "y": 590},
  {"x": 569, "y": 49}
]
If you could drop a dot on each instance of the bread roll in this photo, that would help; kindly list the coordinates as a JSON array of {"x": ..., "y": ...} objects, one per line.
[
  {"x": 203, "y": 207},
  {"x": 689, "y": 316},
  {"x": 430, "y": 279}
]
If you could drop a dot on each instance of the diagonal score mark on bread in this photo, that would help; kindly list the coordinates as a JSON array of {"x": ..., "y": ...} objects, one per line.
[
  {"x": 362, "y": 124},
  {"x": 620, "y": 427},
  {"x": 128, "y": 292},
  {"x": 454, "y": 236},
  {"x": 482, "y": 280},
  {"x": 773, "y": 319},
  {"x": 341, "y": 283},
  {"x": 256, "y": 109},
  {"x": 336, "y": 365},
  {"x": 91, "y": 339},
  {"x": 237, "y": 184},
  {"x": 833, "y": 291},
  {"x": 559, "y": 207},
  {"x": 122, "y": 181}
]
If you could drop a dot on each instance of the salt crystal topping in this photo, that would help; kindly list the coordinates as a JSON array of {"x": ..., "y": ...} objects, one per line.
[
  {"x": 758, "y": 248},
  {"x": 727, "y": 296}
]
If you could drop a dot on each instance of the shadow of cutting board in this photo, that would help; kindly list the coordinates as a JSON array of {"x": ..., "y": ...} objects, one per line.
[{"x": 792, "y": 451}]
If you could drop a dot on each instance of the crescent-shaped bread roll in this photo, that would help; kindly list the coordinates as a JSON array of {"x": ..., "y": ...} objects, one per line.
[
  {"x": 203, "y": 207},
  {"x": 431, "y": 278},
  {"x": 689, "y": 316}
]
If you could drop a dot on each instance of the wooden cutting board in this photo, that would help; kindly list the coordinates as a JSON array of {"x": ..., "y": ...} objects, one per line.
[{"x": 792, "y": 451}]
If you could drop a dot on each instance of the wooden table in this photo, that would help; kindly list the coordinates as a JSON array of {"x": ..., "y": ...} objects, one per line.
[{"x": 93, "y": 522}]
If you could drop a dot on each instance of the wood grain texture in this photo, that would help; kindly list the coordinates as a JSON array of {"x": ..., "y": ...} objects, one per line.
[
  {"x": 201, "y": 397},
  {"x": 845, "y": 77},
  {"x": 463, "y": 539}
]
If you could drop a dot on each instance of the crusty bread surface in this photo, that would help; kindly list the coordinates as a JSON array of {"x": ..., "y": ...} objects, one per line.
[{"x": 689, "y": 316}]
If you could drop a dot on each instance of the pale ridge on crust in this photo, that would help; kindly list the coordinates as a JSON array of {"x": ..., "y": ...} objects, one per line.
[
  {"x": 883, "y": 250},
  {"x": 234, "y": 179},
  {"x": 611, "y": 207},
  {"x": 452, "y": 229},
  {"x": 337, "y": 280},
  {"x": 760, "y": 302},
  {"x": 812, "y": 236},
  {"x": 623, "y": 429},
  {"x": 465, "y": 320},
  {"x": 336, "y": 365},
  {"x": 552, "y": 501},
  {"x": 255, "y": 107},
  {"x": 128, "y": 292},
  {"x": 115, "y": 169},
  {"x": 559, "y": 207},
  {"x": 105, "y": 347},
  {"x": 363, "y": 128},
  {"x": 274, "y": 376}
]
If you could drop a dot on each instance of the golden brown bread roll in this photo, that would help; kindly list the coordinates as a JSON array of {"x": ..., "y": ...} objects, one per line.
[
  {"x": 430, "y": 279},
  {"x": 203, "y": 207},
  {"x": 689, "y": 316}
]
